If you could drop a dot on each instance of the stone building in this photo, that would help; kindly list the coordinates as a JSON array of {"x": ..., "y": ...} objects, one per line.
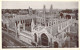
[{"x": 45, "y": 30}]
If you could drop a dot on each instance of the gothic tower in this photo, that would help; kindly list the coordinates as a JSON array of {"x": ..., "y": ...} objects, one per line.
[
  {"x": 30, "y": 11},
  {"x": 51, "y": 9},
  {"x": 44, "y": 9},
  {"x": 44, "y": 14}
]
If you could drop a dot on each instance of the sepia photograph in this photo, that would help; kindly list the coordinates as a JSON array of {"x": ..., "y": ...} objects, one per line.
[{"x": 40, "y": 24}]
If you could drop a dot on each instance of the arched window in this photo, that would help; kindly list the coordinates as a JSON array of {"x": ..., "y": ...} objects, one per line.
[
  {"x": 35, "y": 36},
  {"x": 21, "y": 21},
  {"x": 16, "y": 23},
  {"x": 2, "y": 24}
]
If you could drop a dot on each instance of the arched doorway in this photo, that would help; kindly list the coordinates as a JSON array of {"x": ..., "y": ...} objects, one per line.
[
  {"x": 55, "y": 45},
  {"x": 44, "y": 40}
]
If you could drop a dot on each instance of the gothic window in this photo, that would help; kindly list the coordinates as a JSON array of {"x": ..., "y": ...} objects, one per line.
[
  {"x": 2, "y": 24},
  {"x": 54, "y": 22},
  {"x": 21, "y": 21},
  {"x": 49, "y": 23},
  {"x": 5, "y": 26},
  {"x": 16, "y": 23},
  {"x": 59, "y": 27},
  {"x": 35, "y": 37}
]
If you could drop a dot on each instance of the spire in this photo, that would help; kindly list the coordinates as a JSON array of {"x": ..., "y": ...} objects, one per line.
[
  {"x": 29, "y": 10},
  {"x": 44, "y": 9},
  {"x": 44, "y": 6},
  {"x": 32, "y": 25}
]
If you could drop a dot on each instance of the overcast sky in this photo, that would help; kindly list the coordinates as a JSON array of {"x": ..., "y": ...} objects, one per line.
[{"x": 38, "y": 4}]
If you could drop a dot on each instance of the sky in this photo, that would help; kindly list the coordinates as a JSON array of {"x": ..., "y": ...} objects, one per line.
[{"x": 39, "y": 4}]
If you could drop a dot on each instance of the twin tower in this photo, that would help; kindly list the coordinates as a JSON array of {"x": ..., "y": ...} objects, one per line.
[
  {"x": 50, "y": 11},
  {"x": 44, "y": 10}
]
